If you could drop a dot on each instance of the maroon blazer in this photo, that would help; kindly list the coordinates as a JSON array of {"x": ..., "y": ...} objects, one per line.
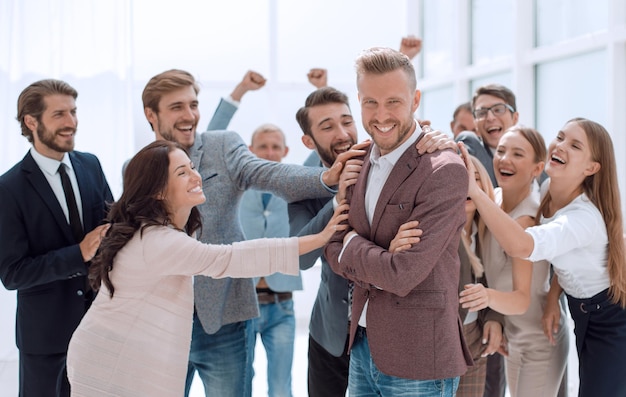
[{"x": 413, "y": 325}]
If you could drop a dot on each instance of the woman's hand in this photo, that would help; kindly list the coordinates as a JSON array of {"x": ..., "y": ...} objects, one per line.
[
  {"x": 474, "y": 297},
  {"x": 338, "y": 222},
  {"x": 473, "y": 187},
  {"x": 408, "y": 234}
]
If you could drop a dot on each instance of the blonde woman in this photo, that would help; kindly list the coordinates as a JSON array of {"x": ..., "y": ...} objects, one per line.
[
  {"x": 519, "y": 288},
  {"x": 482, "y": 329},
  {"x": 581, "y": 234}
]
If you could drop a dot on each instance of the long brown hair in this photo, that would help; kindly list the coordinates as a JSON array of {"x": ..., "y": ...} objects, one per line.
[
  {"x": 603, "y": 190},
  {"x": 145, "y": 178}
]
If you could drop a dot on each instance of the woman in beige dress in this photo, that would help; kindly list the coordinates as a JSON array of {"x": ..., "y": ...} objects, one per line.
[
  {"x": 519, "y": 288},
  {"x": 134, "y": 340}
]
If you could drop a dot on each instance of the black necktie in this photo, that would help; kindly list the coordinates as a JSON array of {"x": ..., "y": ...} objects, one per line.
[{"x": 75, "y": 224}]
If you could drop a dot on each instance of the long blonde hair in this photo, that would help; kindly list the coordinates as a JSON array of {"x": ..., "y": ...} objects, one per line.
[
  {"x": 602, "y": 189},
  {"x": 487, "y": 187}
]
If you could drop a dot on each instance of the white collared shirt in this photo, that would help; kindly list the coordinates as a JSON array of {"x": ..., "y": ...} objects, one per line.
[{"x": 50, "y": 169}]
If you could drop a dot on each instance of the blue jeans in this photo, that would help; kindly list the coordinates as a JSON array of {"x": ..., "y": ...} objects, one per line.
[
  {"x": 366, "y": 380},
  {"x": 221, "y": 360},
  {"x": 277, "y": 327}
]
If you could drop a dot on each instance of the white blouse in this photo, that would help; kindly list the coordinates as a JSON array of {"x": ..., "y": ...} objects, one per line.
[{"x": 575, "y": 241}]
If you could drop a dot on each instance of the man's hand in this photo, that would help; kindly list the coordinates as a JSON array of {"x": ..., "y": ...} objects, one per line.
[
  {"x": 434, "y": 140},
  {"x": 492, "y": 338},
  {"x": 410, "y": 46},
  {"x": 318, "y": 77},
  {"x": 91, "y": 242},
  {"x": 408, "y": 234},
  {"x": 251, "y": 81},
  {"x": 331, "y": 176},
  {"x": 348, "y": 177}
]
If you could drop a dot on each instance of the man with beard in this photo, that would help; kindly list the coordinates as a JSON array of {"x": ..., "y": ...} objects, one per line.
[
  {"x": 53, "y": 202},
  {"x": 329, "y": 130},
  {"x": 405, "y": 332},
  {"x": 224, "y": 307}
]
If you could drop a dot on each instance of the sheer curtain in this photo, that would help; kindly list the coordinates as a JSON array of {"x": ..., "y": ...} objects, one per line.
[{"x": 87, "y": 43}]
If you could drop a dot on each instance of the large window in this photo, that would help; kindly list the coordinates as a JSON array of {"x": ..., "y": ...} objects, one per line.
[
  {"x": 492, "y": 27},
  {"x": 560, "y": 20},
  {"x": 566, "y": 89}
]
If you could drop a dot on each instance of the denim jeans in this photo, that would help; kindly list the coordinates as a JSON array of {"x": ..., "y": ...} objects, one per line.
[
  {"x": 221, "y": 360},
  {"x": 366, "y": 380},
  {"x": 277, "y": 328}
]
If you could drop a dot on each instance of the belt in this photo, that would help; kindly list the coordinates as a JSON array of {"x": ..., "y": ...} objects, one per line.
[{"x": 273, "y": 297}]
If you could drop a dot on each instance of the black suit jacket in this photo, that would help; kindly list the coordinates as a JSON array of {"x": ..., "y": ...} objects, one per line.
[{"x": 40, "y": 258}]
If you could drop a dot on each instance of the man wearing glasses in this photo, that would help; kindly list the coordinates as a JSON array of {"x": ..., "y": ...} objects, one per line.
[{"x": 494, "y": 112}]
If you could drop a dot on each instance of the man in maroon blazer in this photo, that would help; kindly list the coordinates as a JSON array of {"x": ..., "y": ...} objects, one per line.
[{"x": 406, "y": 336}]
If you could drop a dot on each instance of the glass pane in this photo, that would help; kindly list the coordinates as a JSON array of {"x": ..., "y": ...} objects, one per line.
[
  {"x": 492, "y": 30},
  {"x": 326, "y": 34},
  {"x": 559, "y": 20},
  {"x": 204, "y": 38},
  {"x": 437, "y": 105},
  {"x": 437, "y": 37},
  {"x": 568, "y": 88},
  {"x": 505, "y": 79}
]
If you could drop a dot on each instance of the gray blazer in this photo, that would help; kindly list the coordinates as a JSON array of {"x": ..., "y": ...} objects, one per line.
[
  {"x": 267, "y": 222},
  {"x": 228, "y": 168},
  {"x": 329, "y": 318}
]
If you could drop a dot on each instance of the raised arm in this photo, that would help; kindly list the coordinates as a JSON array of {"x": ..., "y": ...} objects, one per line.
[{"x": 507, "y": 231}]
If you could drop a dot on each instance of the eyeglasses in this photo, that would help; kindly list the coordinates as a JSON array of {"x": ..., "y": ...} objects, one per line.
[{"x": 497, "y": 110}]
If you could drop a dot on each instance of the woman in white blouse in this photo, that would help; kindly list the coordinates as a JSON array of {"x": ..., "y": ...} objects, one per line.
[{"x": 581, "y": 234}]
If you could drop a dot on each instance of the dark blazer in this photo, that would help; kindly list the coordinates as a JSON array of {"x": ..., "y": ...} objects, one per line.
[
  {"x": 329, "y": 317},
  {"x": 413, "y": 325},
  {"x": 38, "y": 254}
]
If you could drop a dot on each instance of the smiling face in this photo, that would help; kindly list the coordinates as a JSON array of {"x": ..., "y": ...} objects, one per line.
[
  {"x": 177, "y": 118},
  {"x": 54, "y": 133},
  {"x": 269, "y": 145},
  {"x": 569, "y": 155},
  {"x": 514, "y": 161},
  {"x": 184, "y": 188},
  {"x": 470, "y": 207},
  {"x": 492, "y": 127},
  {"x": 332, "y": 131},
  {"x": 387, "y": 107}
]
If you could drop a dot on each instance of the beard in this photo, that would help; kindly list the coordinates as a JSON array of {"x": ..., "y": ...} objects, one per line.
[
  {"x": 404, "y": 130},
  {"x": 329, "y": 155},
  {"x": 47, "y": 137}
]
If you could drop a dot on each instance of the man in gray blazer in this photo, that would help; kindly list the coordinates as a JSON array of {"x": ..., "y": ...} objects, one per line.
[
  {"x": 405, "y": 334},
  {"x": 223, "y": 307}
]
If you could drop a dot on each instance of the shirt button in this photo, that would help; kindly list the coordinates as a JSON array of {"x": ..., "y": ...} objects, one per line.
[{"x": 80, "y": 292}]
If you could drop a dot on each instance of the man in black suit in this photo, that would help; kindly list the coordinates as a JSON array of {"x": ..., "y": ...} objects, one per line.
[{"x": 48, "y": 234}]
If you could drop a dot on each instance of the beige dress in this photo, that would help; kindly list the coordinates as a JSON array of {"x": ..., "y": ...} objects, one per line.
[
  {"x": 137, "y": 343},
  {"x": 534, "y": 367}
]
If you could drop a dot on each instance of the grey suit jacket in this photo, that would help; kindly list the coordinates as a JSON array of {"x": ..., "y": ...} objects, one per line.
[
  {"x": 228, "y": 168},
  {"x": 413, "y": 325},
  {"x": 329, "y": 318}
]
